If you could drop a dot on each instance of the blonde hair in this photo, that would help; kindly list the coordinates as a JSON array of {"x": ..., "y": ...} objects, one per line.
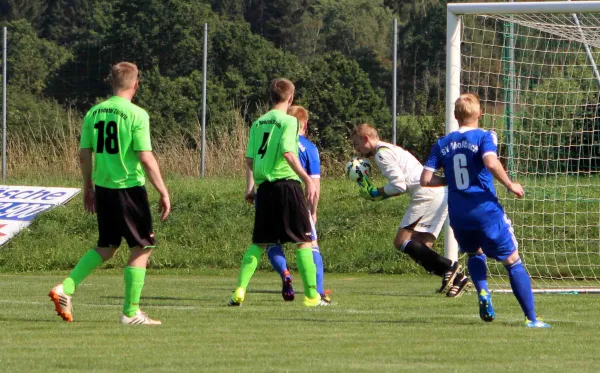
[
  {"x": 467, "y": 107},
  {"x": 365, "y": 129},
  {"x": 299, "y": 112},
  {"x": 280, "y": 90},
  {"x": 123, "y": 75}
]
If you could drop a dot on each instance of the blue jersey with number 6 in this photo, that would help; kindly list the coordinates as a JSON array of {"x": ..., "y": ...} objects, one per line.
[{"x": 472, "y": 200}]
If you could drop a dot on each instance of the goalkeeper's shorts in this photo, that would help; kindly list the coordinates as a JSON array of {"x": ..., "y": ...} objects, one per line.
[{"x": 428, "y": 208}]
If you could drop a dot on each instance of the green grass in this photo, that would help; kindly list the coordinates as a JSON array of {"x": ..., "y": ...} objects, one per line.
[
  {"x": 379, "y": 323},
  {"x": 210, "y": 227}
]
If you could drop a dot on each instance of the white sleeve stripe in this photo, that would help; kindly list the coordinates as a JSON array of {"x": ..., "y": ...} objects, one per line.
[
  {"x": 489, "y": 153},
  {"x": 429, "y": 169},
  {"x": 315, "y": 176}
]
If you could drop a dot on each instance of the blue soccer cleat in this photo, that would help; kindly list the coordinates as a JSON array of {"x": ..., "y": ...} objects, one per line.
[
  {"x": 536, "y": 324},
  {"x": 486, "y": 311},
  {"x": 287, "y": 290}
]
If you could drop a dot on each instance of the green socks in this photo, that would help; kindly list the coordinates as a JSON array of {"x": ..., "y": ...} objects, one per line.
[
  {"x": 249, "y": 264},
  {"x": 134, "y": 282},
  {"x": 308, "y": 272},
  {"x": 88, "y": 262}
]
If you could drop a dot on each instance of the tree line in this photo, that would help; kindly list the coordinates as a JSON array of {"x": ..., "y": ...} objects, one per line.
[{"x": 338, "y": 53}]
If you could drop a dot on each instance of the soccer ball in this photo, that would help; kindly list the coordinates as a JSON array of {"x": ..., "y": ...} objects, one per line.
[{"x": 357, "y": 168}]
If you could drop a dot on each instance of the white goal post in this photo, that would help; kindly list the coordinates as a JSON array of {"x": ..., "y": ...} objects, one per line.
[{"x": 534, "y": 67}]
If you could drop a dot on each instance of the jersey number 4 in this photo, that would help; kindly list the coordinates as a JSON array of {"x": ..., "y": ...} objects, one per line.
[
  {"x": 108, "y": 142},
  {"x": 263, "y": 147},
  {"x": 461, "y": 174}
]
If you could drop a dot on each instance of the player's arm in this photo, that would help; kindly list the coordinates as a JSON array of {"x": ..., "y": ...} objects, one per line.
[
  {"x": 153, "y": 173},
  {"x": 142, "y": 145},
  {"x": 85, "y": 159},
  {"x": 250, "y": 193},
  {"x": 489, "y": 152},
  {"x": 313, "y": 169},
  {"x": 86, "y": 162},
  {"x": 493, "y": 164},
  {"x": 433, "y": 163},
  {"x": 289, "y": 150},
  {"x": 292, "y": 159},
  {"x": 315, "y": 204},
  {"x": 388, "y": 166},
  {"x": 431, "y": 180}
]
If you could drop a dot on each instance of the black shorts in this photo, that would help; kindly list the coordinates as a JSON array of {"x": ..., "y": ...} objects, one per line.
[
  {"x": 282, "y": 213},
  {"x": 124, "y": 213}
]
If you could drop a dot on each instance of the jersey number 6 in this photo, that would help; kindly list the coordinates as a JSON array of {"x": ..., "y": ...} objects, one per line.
[{"x": 461, "y": 174}]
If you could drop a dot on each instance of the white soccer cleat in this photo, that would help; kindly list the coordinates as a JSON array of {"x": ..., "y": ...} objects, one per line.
[
  {"x": 140, "y": 318},
  {"x": 62, "y": 303}
]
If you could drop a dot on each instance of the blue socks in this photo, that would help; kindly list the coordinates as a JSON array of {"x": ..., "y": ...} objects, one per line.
[
  {"x": 478, "y": 272},
  {"x": 521, "y": 287},
  {"x": 279, "y": 263},
  {"x": 319, "y": 264},
  {"x": 277, "y": 259}
]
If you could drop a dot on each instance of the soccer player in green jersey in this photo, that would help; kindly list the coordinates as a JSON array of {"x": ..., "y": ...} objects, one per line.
[
  {"x": 116, "y": 135},
  {"x": 282, "y": 213}
]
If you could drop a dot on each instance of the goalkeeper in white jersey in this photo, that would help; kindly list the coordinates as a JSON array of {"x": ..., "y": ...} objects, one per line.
[{"x": 425, "y": 214}]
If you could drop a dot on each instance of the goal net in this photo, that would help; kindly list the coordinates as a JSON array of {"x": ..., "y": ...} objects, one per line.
[{"x": 537, "y": 77}]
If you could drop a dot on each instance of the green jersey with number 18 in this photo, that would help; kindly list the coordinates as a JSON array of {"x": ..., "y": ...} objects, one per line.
[
  {"x": 272, "y": 135},
  {"x": 115, "y": 129}
]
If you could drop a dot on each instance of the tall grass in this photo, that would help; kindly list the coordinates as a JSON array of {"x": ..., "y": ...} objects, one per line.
[{"x": 40, "y": 148}]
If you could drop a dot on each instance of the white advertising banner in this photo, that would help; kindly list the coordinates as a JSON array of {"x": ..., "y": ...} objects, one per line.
[{"x": 19, "y": 205}]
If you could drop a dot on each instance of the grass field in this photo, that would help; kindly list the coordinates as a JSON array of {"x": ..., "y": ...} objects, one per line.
[{"x": 378, "y": 323}]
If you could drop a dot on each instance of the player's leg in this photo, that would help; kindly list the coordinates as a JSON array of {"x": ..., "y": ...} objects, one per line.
[
  {"x": 503, "y": 237},
  {"x": 109, "y": 239},
  {"x": 265, "y": 233},
  {"x": 308, "y": 272},
  {"x": 137, "y": 229},
  {"x": 419, "y": 228},
  {"x": 477, "y": 264},
  {"x": 318, "y": 259},
  {"x": 500, "y": 243},
  {"x": 521, "y": 287},
  {"x": 135, "y": 276},
  {"x": 296, "y": 227},
  {"x": 248, "y": 267},
  {"x": 470, "y": 242},
  {"x": 418, "y": 247},
  {"x": 279, "y": 263}
]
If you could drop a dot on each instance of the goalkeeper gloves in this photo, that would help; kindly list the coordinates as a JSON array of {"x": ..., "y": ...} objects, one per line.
[{"x": 368, "y": 191}]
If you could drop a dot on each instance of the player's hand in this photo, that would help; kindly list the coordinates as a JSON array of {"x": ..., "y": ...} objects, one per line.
[
  {"x": 368, "y": 191},
  {"x": 310, "y": 191},
  {"x": 517, "y": 190},
  {"x": 164, "y": 207},
  {"x": 89, "y": 200},
  {"x": 250, "y": 195}
]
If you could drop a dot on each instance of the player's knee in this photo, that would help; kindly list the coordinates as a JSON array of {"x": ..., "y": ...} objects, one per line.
[
  {"x": 512, "y": 258},
  {"x": 401, "y": 246},
  {"x": 106, "y": 253}
]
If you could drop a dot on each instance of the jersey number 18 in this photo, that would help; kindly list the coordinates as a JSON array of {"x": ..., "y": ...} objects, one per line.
[{"x": 110, "y": 142}]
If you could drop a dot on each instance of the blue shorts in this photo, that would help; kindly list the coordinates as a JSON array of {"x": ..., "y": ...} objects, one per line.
[{"x": 496, "y": 240}]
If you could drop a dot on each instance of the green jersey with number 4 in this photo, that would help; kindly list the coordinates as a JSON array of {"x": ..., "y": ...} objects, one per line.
[
  {"x": 272, "y": 135},
  {"x": 115, "y": 129}
]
